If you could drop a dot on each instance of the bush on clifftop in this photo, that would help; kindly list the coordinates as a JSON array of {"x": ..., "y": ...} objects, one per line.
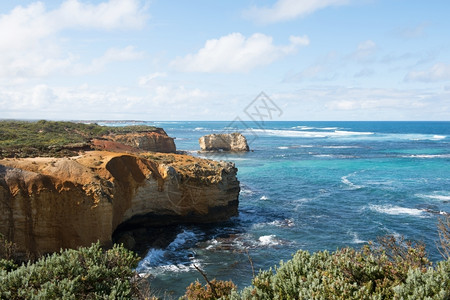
[
  {"x": 395, "y": 269},
  {"x": 87, "y": 273},
  {"x": 349, "y": 274}
]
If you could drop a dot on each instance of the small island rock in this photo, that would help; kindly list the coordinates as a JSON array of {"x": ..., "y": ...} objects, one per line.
[{"x": 224, "y": 142}]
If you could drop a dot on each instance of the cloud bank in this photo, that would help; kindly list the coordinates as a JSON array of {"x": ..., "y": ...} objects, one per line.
[
  {"x": 236, "y": 53},
  {"x": 438, "y": 72},
  {"x": 29, "y": 40}
]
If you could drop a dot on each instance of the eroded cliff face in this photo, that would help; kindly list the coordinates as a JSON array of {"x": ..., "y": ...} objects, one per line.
[
  {"x": 224, "y": 142},
  {"x": 155, "y": 141},
  {"x": 53, "y": 203}
]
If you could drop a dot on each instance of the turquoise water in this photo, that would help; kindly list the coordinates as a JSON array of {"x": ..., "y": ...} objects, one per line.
[{"x": 312, "y": 186}]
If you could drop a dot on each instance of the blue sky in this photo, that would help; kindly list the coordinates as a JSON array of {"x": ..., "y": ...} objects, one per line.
[{"x": 207, "y": 60}]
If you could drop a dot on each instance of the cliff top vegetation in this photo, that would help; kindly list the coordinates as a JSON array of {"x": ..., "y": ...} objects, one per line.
[{"x": 44, "y": 138}]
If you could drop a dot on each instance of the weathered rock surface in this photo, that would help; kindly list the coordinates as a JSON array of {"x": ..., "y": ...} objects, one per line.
[
  {"x": 53, "y": 203},
  {"x": 224, "y": 142},
  {"x": 155, "y": 141}
]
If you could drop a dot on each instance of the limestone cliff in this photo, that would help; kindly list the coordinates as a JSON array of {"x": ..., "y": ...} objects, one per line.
[
  {"x": 155, "y": 141},
  {"x": 224, "y": 142},
  {"x": 53, "y": 203}
]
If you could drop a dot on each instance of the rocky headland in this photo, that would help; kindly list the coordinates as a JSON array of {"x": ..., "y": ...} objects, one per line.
[
  {"x": 155, "y": 141},
  {"x": 49, "y": 203},
  {"x": 234, "y": 142}
]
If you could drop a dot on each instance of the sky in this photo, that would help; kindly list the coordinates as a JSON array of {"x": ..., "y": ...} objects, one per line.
[{"x": 374, "y": 60}]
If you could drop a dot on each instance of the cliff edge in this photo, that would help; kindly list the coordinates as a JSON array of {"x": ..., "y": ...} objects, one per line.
[
  {"x": 155, "y": 141},
  {"x": 52, "y": 203}
]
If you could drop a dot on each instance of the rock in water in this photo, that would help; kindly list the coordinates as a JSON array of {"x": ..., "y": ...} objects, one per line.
[
  {"x": 53, "y": 203},
  {"x": 224, "y": 142}
]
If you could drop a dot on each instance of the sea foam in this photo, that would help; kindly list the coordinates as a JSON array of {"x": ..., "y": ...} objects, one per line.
[
  {"x": 396, "y": 210},
  {"x": 308, "y": 134},
  {"x": 347, "y": 182},
  {"x": 268, "y": 240},
  {"x": 427, "y": 156},
  {"x": 435, "y": 197}
]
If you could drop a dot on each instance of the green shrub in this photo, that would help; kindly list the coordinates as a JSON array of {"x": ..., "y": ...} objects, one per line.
[
  {"x": 86, "y": 273},
  {"x": 393, "y": 270}
]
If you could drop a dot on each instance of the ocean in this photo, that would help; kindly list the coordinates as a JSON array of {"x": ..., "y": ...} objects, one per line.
[{"x": 312, "y": 186}]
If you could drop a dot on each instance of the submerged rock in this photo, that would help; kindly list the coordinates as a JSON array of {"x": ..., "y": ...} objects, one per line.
[
  {"x": 224, "y": 142},
  {"x": 53, "y": 203}
]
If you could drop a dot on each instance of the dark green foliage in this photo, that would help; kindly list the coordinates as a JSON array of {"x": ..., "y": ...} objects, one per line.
[
  {"x": 432, "y": 284},
  {"x": 394, "y": 270},
  {"x": 25, "y": 139},
  {"x": 87, "y": 273}
]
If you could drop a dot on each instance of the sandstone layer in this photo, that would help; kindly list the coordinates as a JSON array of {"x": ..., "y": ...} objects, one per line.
[
  {"x": 53, "y": 203},
  {"x": 224, "y": 142},
  {"x": 155, "y": 141}
]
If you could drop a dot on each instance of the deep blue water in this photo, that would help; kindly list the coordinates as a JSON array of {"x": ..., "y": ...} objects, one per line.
[{"x": 312, "y": 186}]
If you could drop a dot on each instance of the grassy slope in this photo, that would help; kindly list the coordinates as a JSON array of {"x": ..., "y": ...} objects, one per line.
[{"x": 22, "y": 138}]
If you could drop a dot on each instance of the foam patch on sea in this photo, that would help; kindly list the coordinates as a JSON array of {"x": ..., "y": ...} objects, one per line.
[{"x": 396, "y": 210}]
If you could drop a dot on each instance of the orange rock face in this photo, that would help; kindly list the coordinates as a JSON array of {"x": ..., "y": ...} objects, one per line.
[
  {"x": 155, "y": 141},
  {"x": 54, "y": 203}
]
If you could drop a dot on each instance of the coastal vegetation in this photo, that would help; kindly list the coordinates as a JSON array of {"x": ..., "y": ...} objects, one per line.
[
  {"x": 388, "y": 269},
  {"x": 86, "y": 273},
  {"x": 50, "y": 138},
  {"x": 374, "y": 272}
]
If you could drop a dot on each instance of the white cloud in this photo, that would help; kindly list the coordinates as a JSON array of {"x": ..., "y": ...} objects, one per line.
[
  {"x": 23, "y": 27},
  {"x": 176, "y": 102},
  {"x": 437, "y": 72},
  {"x": 39, "y": 62},
  {"x": 114, "y": 14},
  {"x": 42, "y": 96},
  {"x": 111, "y": 55},
  {"x": 365, "y": 51},
  {"x": 179, "y": 96},
  {"x": 122, "y": 54},
  {"x": 29, "y": 34},
  {"x": 236, "y": 53},
  {"x": 284, "y": 10},
  {"x": 86, "y": 102},
  {"x": 148, "y": 79},
  {"x": 346, "y": 103}
]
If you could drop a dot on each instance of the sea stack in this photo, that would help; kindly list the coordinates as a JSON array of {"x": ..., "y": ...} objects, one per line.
[{"x": 233, "y": 142}]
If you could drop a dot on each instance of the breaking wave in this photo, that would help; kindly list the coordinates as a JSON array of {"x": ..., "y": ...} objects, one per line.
[
  {"x": 427, "y": 156},
  {"x": 444, "y": 198},
  {"x": 309, "y": 134},
  {"x": 396, "y": 210},
  {"x": 175, "y": 258},
  {"x": 347, "y": 182}
]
